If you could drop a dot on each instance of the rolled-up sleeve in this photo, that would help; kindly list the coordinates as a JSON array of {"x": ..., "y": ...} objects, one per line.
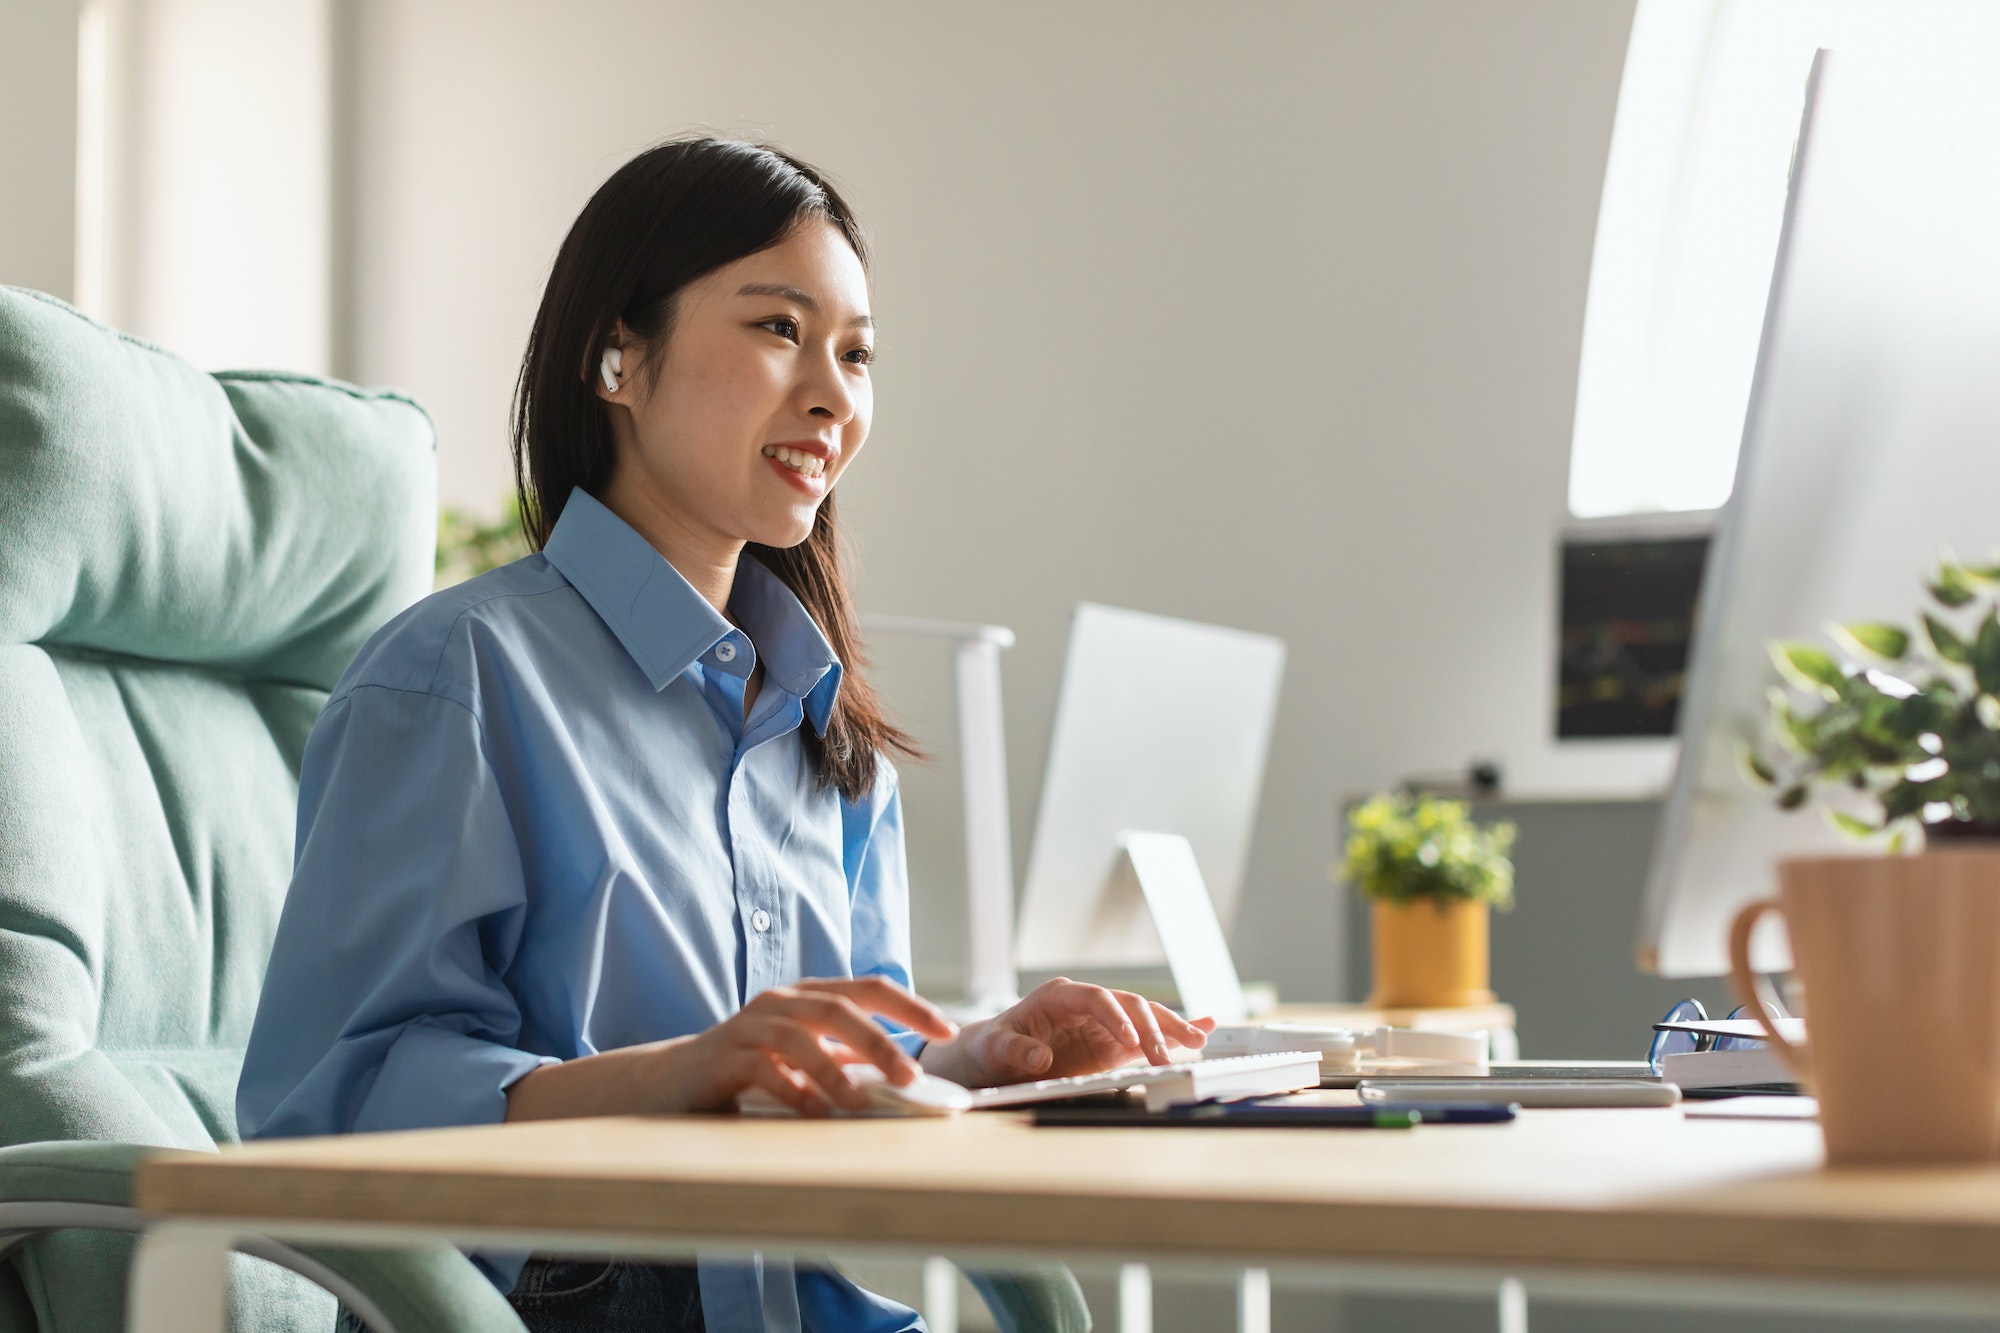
[{"x": 385, "y": 1006}]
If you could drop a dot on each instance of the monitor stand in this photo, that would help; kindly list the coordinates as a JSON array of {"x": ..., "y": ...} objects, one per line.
[
  {"x": 990, "y": 983},
  {"x": 1160, "y": 870}
]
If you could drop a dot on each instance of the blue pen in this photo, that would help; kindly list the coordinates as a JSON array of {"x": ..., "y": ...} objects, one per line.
[
  {"x": 1459, "y": 1113},
  {"x": 1250, "y": 1112}
]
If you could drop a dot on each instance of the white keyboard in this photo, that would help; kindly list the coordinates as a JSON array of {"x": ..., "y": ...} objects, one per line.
[{"x": 1171, "y": 1085}]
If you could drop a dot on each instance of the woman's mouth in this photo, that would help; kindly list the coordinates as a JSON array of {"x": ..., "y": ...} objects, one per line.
[{"x": 798, "y": 460}]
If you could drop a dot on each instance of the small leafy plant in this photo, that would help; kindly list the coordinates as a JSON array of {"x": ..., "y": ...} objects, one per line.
[
  {"x": 468, "y": 545},
  {"x": 1405, "y": 847},
  {"x": 1902, "y": 728}
]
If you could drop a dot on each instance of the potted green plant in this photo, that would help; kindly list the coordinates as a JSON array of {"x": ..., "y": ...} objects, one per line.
[
  {"x": 468, "y": 545},
  {"x": 1433, "y": 876},
  {"x": 1899, "y": 731}
]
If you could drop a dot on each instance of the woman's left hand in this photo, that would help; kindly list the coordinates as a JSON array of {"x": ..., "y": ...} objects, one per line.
[{"x": 1063, "y": 1028}]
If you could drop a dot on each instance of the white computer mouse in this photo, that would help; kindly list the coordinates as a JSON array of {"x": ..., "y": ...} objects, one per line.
[{"x": 929, "y": 1095}]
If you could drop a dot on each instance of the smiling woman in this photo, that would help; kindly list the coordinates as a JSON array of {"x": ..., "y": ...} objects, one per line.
[
  {"x": 613, "y": 829},
  {"x": 758, "y": 267}
]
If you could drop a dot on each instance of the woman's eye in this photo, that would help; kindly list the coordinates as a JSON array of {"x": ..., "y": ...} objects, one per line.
[
  {"x": 862, "y": 356},
  {"x": 784, "y": 328}
]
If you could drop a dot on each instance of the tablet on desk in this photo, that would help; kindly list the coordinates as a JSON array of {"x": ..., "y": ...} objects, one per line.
[
  {"x": 1527, "y": 1092},
  {"x": 1567, "y": 1071}
]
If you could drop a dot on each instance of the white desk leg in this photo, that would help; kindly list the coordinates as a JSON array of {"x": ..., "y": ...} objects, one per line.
[
  {"x": 940, "y": 1295},
  {"x": 180, "y": 1281},
  {"x": 1135, "y": 1299},
  {"x": 1513, "y": 1306},
  {"x": 1253, "y": 1301}
]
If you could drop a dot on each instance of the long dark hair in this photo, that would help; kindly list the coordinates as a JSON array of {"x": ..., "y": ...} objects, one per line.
[{"x": 671, "y": 215}]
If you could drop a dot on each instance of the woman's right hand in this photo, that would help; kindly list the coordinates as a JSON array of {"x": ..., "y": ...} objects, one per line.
[
  {"x": 792, "y": 1041},
  {"x": 795, "y": 1042}
]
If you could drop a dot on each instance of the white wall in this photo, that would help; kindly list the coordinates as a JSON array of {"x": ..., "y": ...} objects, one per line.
[
  {"x": 231, "y": 211},
  {"x": 1260, "y": 314},
  {"x": 216, "y": 228},
  {"x": 38, "y": 145},
  {"x": 184, "y": 195}
]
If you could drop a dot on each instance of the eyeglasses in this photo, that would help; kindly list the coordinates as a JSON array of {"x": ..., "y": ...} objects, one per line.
[{"x": 1676, "y": 1042}]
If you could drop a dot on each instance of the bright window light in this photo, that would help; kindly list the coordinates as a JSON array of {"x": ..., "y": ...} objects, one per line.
[
  {"x": 1694, "y": 194},
  {"x": 93, "y": 130}
]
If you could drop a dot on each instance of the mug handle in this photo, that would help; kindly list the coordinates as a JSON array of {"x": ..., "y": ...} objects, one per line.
[{"x": 1755, "y": 992}]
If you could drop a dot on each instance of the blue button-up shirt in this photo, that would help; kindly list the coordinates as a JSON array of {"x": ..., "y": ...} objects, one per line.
[{"x": 535, "y": 823}]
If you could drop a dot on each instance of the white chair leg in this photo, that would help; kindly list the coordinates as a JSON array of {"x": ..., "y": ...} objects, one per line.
[
  {"x": 1135, "y": 1299},
  {"x": 940, "y": 1295},
  {"x": 180, "y": 1281},
  {"x": 1253, "y": 1301},
  {"x": 1513, "y": 1306}
]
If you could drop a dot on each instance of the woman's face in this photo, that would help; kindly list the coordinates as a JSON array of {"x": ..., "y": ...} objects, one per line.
[{"x": 761, "y": 400}]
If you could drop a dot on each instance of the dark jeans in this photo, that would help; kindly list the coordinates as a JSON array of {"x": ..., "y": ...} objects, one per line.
[{"x": 574, "y": 1296}]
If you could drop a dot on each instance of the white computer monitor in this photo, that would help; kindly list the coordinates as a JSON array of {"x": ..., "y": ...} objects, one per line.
[
  {"x": 1872, "y": 442},
  {"x": 1162, "y": 727}
]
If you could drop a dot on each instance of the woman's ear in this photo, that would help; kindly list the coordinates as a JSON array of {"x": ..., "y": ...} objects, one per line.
[{"x": 610, "y": 368}]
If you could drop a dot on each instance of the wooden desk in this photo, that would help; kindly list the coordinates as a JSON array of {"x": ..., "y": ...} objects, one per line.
[{"x": 1628, "y": 1192}]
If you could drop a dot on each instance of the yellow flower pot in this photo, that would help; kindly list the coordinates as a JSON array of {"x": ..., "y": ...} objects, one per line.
[{"x": 1431, "y": 955}]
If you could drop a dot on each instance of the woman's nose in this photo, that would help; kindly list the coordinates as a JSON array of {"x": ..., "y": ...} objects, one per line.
[{"x": 829, "y": 396}]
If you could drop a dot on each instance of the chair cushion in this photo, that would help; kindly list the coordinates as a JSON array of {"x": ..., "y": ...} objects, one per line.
[
  {"x": 257, "y": 522},
  {"x": 16, "y": 1314},
  {"x": 1043, "y": 1298},
  {"x": 422, "y": 1288},
  {"x": 187, "y": 563},
  {"x": 79, "y": 1172}
]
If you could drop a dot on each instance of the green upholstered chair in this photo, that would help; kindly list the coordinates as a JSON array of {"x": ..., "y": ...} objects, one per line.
[{"x": 187, "y": 562}]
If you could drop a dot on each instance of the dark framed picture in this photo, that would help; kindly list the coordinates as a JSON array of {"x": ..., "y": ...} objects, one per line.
[{"x": 1627, "y": 616}]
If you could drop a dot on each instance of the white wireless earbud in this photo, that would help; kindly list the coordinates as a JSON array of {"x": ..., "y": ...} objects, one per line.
[{"x": 611, "y": 367}]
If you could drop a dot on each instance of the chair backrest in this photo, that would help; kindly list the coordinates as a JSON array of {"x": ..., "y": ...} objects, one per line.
[{"x": 187, "y": 563}]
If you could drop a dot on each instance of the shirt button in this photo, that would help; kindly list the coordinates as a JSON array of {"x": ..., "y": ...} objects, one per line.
[
  {"x": 760, "y": 920},
  {"x": 726, "y": 652}
]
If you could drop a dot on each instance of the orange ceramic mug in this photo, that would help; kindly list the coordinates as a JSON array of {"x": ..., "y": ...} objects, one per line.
[{"x": 1900, "y": 960}]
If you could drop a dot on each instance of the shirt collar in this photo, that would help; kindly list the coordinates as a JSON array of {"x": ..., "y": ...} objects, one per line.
[
  {"x": 797, "y": 657},
  {"x": 666, "y": 625}
]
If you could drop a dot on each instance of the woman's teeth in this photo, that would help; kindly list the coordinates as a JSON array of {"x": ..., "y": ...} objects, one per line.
[{"x": 805, "y": 464}]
